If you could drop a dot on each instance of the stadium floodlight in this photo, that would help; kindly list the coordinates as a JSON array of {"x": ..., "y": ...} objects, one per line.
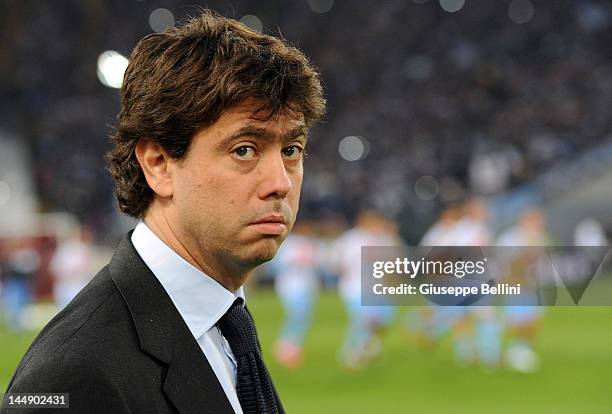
[
  {"x": 321, "y": 6},
  {"x": 252, "y": 22},
  {"x": 160, "y": 19},
  {"x": 111, "y": 67},
  {"x": 353, "y": 148},
  {"x": 426, "y": 187},
  {"x": 451, "y": 6}
]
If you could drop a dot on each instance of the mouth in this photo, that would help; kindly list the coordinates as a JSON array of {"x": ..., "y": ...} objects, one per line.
[{"x": 274, "y": 224}]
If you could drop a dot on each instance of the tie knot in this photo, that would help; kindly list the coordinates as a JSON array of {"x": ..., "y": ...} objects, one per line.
[{"x": 238, "y": 329}]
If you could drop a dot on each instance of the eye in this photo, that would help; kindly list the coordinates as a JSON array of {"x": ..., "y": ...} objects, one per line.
[
  {"x": 293, "y": 152},
  {"x": 244, "y": 152}
]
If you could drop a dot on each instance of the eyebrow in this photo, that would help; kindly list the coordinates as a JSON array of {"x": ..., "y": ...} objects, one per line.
[{"x": 265, "y": 134}]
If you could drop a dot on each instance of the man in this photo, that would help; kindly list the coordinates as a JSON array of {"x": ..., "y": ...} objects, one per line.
[{"x": 208, "y": 152}]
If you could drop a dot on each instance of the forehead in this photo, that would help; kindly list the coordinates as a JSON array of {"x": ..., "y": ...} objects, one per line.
[{"x": 250, "y": 113}]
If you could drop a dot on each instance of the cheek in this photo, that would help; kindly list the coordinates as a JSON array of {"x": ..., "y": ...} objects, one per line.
[
  {"x": 222, "y": 194},
  {"x": 296, "y": 182},
  {"x": 196, "y": 193},
  {"x": 297, "y": 178}
]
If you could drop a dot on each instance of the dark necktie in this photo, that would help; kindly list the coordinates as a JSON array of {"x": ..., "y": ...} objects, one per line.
[{"x": 253, "y": 384}]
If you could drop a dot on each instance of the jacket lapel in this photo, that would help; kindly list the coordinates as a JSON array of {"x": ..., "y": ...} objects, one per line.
[{"x": 190, "y": 383}]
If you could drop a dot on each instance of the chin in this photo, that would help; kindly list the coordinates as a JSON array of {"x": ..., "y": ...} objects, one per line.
[{"x": 264, "y": 251}]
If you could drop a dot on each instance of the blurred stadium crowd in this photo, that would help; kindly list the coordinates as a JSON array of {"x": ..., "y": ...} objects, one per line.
[{"x": 479, "y": 100}]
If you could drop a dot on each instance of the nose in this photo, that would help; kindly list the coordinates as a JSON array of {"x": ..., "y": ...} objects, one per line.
[{"x": 274, "y": 180}]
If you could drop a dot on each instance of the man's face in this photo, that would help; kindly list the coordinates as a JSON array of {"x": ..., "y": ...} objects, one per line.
[{"x": 236, "y": 193}]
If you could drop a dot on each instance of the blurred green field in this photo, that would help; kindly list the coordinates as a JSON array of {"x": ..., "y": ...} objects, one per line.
[{"x": 575, "y": 377}]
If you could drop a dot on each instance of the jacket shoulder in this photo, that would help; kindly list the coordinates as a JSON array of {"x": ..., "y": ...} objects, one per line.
[
  {"x": 88, "y": 387},
  {"x": 66, "y": 356},
  {"x": 80, "y": 326}
]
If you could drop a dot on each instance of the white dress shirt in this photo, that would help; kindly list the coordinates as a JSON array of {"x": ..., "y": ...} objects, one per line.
[{"x": 200, "y": 300}]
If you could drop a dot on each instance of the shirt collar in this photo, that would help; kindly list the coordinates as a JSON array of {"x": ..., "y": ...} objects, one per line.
[{"x": 200, "y": 299}]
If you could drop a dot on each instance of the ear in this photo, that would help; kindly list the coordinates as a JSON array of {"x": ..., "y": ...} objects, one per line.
[{"x": 156, "y": 165}]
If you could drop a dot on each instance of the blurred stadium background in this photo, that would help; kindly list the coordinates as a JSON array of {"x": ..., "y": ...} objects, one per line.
[{"x": 430, "y": 102}]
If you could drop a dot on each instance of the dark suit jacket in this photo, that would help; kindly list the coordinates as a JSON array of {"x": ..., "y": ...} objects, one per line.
[{"x": 121, "y": 347}]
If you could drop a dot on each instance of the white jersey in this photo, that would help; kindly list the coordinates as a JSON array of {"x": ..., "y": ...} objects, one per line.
[
  {"x": 467, "y": 232},
  {"x": 464, "y": 232},
  {"x": 72, "y": 261},
  {"x": 589, "y": 232},
  {"x": 516, "y": 236},
  {"x": 72, "y": 267},
  {"x": 296, "y": 266},
  {"x": 440, "y": 234},
  {"x": 347, "y": 251}
]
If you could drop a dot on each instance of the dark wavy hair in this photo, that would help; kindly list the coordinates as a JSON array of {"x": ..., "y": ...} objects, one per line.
[{"x": 183, "y": 79}]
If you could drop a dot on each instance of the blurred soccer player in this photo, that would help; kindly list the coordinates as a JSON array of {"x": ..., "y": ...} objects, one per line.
[
  {"x": 72, "y": 266},
  {"x": 524, "y": 322},
  {"x": 480, "y": 325},
  {"x": 296, "y": 283},
  {"x": 429, "y": 322},
  {"x": 362, "y": 341},
  {"x": 476, "y": 330},
  {"x": 21, "y": 269}
]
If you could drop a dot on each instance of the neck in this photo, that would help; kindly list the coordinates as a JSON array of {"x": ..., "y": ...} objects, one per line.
[{"x": 230, "y": 277}]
